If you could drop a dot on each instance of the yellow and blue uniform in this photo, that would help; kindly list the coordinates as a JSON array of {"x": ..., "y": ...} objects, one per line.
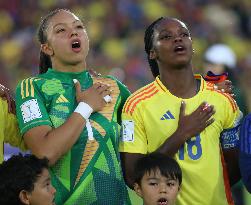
[
  {"x": 151, "y": 115},
  {"x": 9, "y": 131}
]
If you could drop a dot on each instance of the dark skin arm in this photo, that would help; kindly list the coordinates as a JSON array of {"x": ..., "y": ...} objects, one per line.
[
  {"x": 188, "y": 126},
  {"x": 231, "y": 156}
]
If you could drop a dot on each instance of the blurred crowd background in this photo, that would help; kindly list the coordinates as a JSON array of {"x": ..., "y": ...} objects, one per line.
[{"x": 116, "y": 31}]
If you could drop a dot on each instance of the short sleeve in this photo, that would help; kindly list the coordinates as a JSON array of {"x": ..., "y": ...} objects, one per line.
[
  {"x": 232, "y": 114},
  {"x": 231, "y": 124},
  {"x": 133, "y": 136},
  {"x": 30, "y": 106},
  {"x": 11, "y": 131}
]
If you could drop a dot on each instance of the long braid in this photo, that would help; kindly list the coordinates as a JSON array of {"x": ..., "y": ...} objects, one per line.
[
  {"x": 45, "y": 60},
  {"x": 148, "y": 40}
]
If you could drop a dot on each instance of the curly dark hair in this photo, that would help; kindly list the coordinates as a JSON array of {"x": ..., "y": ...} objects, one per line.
[{"x": 19, "y": 173}]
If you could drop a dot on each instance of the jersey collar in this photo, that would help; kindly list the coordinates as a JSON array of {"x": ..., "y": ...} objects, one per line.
[{"x": 161, "y": 86}]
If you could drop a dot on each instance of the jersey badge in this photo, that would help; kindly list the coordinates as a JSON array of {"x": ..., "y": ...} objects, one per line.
[
  {"x": 127, "y": 131},
  {"x": 30, "y": 110}
]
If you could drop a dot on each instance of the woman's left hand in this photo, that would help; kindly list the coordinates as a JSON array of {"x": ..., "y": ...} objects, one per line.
[
  {"x": 5, "y": 94},
  {"x": 220, "y": 82},
  {"x": 225, "y": 86}
]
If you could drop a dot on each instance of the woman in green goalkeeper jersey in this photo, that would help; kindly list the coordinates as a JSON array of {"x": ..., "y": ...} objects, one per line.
[{"x": 72, "y": 117}]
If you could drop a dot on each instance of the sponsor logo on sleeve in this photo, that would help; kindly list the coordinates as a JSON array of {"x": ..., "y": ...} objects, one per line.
[
  {"x": 127, "y": 131},
  {"x": 30, "y": 110}
]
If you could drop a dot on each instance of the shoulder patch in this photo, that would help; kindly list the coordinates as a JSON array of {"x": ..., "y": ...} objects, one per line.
[
  {"x": 30, "y": 110},
  {"x": 127, "y": 131}
]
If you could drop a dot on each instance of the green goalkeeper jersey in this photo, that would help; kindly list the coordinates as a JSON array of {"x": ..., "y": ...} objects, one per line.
[{"x": 90, "y": 172}]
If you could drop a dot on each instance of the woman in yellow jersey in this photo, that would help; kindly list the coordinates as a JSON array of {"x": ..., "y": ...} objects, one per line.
[{"x": 181, "y": 115}]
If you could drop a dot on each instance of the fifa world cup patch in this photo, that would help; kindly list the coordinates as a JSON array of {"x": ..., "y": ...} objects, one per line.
[
  {"x": 127, "y": 131},
  {"x": 30, "y": 110}
]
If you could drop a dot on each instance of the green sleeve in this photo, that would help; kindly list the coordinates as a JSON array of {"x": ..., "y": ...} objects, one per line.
[{"x": 30, "y": 106}]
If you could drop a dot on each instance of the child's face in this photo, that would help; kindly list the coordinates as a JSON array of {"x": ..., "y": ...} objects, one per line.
[
  {"x": 156, "y": 189},
  {"x": 44, "y": 192}
]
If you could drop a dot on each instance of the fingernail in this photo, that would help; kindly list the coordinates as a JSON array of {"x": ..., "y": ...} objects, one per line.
[
  {"x": 206, "y": 106},
  {"x": 75, "y": 81},
  {"x": 215, "y": 87},
  {"x": 223, "y": 90}
]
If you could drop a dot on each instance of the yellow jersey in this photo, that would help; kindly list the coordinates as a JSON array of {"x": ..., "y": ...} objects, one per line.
[
  {"x": 9, "y": 131},
  {"x": 151, "y": 115}
]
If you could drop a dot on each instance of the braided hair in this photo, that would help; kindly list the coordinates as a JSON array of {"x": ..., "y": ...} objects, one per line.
[
  {"x": 44, "y": 60},
  {"x": 148, "y": 40}
]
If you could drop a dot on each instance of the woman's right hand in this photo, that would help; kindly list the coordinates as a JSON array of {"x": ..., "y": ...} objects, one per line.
[
  {"x": 93, "y": 96},
  {"x": 197, "y": 121}
]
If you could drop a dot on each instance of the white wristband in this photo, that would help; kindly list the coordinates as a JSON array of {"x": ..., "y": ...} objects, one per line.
[{"x": 84, "y": 109}]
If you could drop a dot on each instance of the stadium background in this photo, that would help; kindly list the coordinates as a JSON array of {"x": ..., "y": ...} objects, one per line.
[{"x": 116, "y": 30}]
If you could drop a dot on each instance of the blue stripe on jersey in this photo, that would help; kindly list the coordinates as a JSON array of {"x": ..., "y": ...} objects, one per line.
[{"x": 170, "y": 115}]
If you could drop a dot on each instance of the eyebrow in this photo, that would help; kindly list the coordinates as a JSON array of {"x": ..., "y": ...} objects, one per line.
[
  {"x": 181, "y": 28},
  {"x": 48, "y": 179},
  {"x": 167, "y": 178},
  {"x": 164, "y": 31},
  {"x": 150, "y": 178},
  {"x": 66, "y": 23}
]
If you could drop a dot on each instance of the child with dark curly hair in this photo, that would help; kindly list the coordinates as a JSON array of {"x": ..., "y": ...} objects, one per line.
[{"x": 26, "y": 180}]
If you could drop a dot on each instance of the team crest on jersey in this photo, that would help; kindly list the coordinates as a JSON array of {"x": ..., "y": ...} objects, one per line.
[
  {"x": 127, "y": 131},
  {"x": 30, "y": 110}
]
